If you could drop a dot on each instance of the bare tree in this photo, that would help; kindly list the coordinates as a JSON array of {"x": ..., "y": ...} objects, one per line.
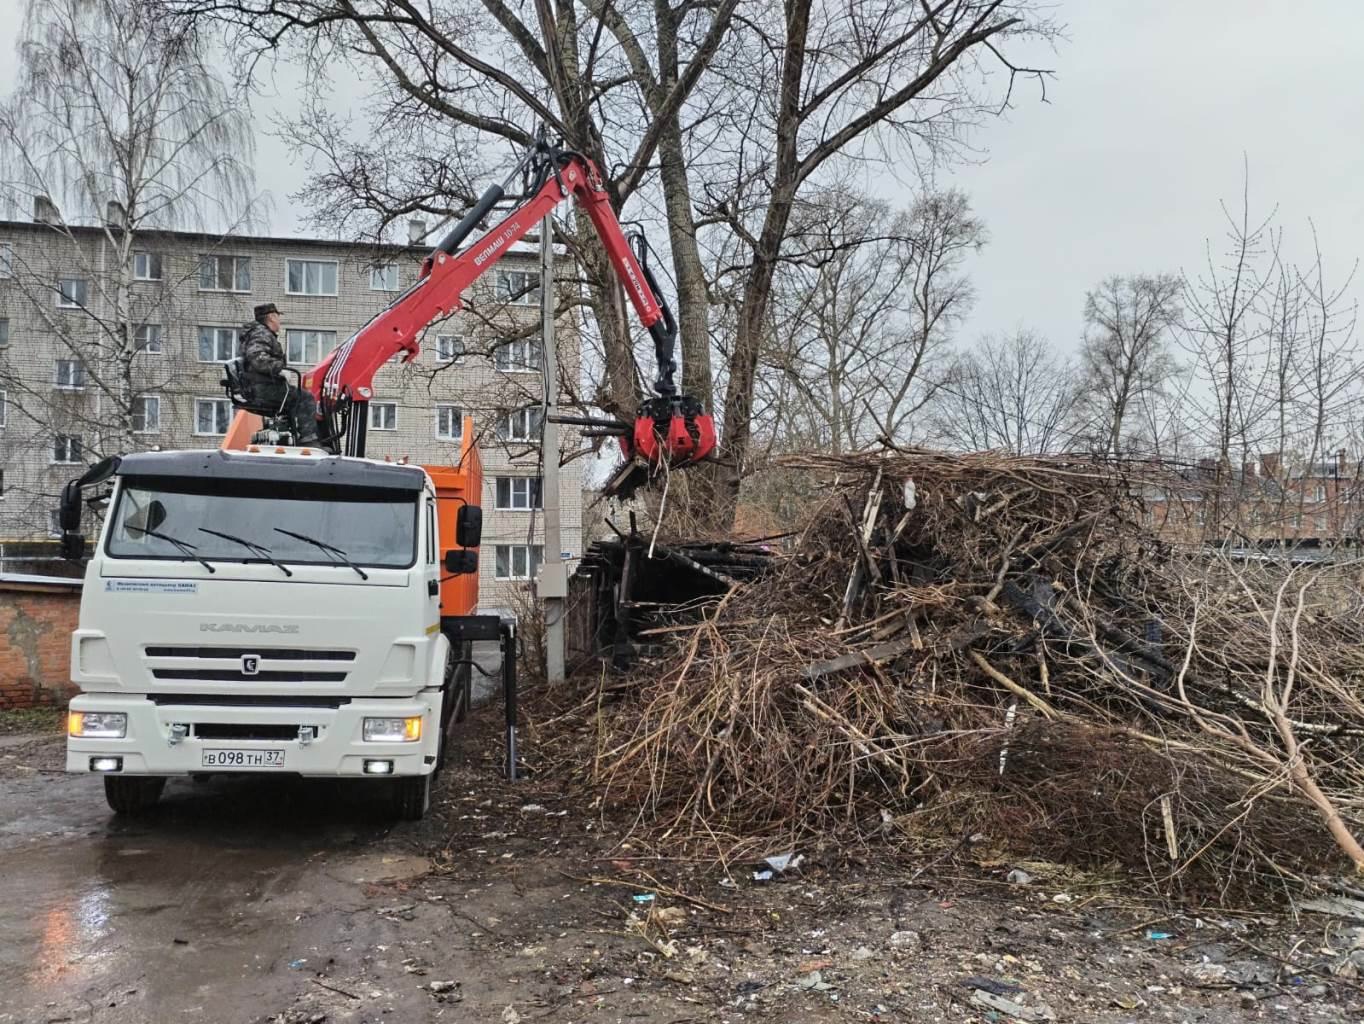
[
  {"x": 1225, "y": 334},
  {"x": 1125, "y": 355},
  {"x": 862, "y": 314},
  {"x": 742, "y": 106},
  {"x": 117, "y": 128},
  {"x": 1012, "y": 393}
]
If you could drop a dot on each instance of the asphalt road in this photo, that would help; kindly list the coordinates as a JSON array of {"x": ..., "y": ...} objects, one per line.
[{"x": 196, "y": 913}]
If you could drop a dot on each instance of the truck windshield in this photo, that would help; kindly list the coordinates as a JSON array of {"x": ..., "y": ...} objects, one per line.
[{"x": 372, "y": 526}]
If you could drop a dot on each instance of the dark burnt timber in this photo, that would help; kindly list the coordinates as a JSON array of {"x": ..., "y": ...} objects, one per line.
[{"x": 629, "y": 588}]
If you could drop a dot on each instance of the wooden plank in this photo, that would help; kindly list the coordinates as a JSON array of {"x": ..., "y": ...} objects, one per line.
[{"x": 868, "y": 656}]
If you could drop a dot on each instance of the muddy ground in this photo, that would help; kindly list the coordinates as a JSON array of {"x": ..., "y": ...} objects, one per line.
[{"x": 257, "y": 900}]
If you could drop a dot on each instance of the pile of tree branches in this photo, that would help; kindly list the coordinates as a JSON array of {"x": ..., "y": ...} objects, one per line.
[{"x": 990, "y": 645}]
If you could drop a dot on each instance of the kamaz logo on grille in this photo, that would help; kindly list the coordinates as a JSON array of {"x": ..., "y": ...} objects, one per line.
[
  {"x": 250, "y": 664},
  {"x": 247, "y": 627}
]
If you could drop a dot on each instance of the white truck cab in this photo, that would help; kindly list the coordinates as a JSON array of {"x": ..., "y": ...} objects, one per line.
[{"x": 278, "y": 611}]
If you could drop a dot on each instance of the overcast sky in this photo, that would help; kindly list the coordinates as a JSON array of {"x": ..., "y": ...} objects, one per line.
[{"x": 1154, "y": 106}]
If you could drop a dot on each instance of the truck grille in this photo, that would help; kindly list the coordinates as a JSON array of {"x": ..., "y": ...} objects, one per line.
[
  {"x": 238, "y": 676},
  {"x": 266, "y": 653},
  {"x": 227, "y": 664}
]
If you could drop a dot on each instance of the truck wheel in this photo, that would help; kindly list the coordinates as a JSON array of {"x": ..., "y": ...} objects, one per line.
[
  {"x": 412, "y": 797},
  {"x": 132, "y": 794}
]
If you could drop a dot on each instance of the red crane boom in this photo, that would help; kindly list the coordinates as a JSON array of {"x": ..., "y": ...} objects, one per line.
[{"x": 669, "y": 428}]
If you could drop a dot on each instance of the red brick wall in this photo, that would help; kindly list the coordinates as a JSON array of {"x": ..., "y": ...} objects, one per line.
[{"x": 35, "y": 644}]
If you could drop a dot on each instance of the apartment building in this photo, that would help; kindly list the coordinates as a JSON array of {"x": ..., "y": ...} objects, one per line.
[
  {"x": 1271, "y": 500},
  {"x": 75, "y": 385}
]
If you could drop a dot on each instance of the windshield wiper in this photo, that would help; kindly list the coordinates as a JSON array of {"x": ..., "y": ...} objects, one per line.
[
  {"x": 329, "y": 548},
  {"x": 188, "y": 550},
  {"x": 262, "y": 551}
]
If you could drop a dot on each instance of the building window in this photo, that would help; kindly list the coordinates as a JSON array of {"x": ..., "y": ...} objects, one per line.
[
  {"x": 521, "y": 287},
  {"x": 72, "y": 292},
  {"x": 147, "y": 338},
  {"x": 519, "y": 356},
  {"x": 304, "y": 348},
  {"x": 383, "y": 278},
  {"x": 4, "y": 410},
  {"x": 6, "y": 261},
  {"x": 66, "y": 449},
  {"x": 2, "y": 483},
  {"x": 518, "y": 493},
  {"x": 224, "y": 273},
  {"x": 212, "y": 415},
  {"x": 383, "y": 415},
  {"x": 146, "y": 266},
  {"x": 1319, "y": 493},
  {"x": 520, "y": 424},
  {"x": 4, "y": 331},
  {"x": 217, "y": 344},
  {"x": 310, "y": 277},
  {"x": 146, "y": 414},
  {"x": 519, "y": 561},
  {"x": 450, "y": 348},
  {"x": 449, "y": 422},
  {"x": 70, "y": 374}
]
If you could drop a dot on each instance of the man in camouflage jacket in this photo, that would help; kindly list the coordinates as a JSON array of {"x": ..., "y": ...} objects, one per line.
[{"x": 264, "y": 362}]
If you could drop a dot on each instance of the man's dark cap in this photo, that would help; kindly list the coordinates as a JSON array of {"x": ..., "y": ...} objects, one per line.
[{"x": 265, "y": 309}]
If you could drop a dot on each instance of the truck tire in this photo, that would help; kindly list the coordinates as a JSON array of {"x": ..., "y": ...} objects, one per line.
[
  {"x": 133, "y": 794},
  {"x": 412, "y": 797}
]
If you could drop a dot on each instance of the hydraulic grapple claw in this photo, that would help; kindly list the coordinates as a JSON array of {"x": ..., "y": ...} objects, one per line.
[{"x": 674, "y": 431}]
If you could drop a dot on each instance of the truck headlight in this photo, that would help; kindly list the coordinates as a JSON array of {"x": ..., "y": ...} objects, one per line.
[
  {"x": 393, "y": 730},
  {"x": 97, "y": 725}
]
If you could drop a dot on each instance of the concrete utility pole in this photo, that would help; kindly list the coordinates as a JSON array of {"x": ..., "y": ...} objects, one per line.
[{"x": 552, "y": 584}]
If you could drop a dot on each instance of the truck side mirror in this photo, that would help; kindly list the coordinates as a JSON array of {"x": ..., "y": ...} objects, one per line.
[
  {"x": 469, "y": 526},
  {"x": 69, "y": 511},
  {"x": 461, "y": 563},
  {"x": 72, "y": 546}
]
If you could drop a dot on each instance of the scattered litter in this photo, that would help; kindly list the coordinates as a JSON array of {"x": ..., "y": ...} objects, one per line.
[
  {"x": 510, "y": 1016},
  {"x": 814, "y": 982},
  {"x": 995, "y": 986},
  {"x": 297, "y": 965},
  {"x": 1063, "y": 897},
  {"x": 906, "y": 940},
  {"x": 1209, "y": 974},
  {"x": 643, "y": 897},
  {"x": 1129, "y": 1002},
  {"x": 1019, "y": 877},
  {"x": 442, "y": 986},
  {"x": 670, "y": 917},
  {"x": 1009, "y": 1008},
  {"x": 762, "y": 876},
  {"x": 1158, "y": 936},
  {"x": 784, "y": 862},
  {"x": 532, "y": 809}
]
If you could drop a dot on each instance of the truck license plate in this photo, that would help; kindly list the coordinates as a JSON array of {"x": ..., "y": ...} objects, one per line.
[{"x": 243, "y": 759}]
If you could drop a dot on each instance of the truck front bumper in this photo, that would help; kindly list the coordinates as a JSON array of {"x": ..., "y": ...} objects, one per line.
[{"x": 173, "y": 739}]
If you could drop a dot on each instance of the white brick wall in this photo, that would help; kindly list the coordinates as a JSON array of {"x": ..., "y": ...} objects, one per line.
[{"x": 36, "y": 410}]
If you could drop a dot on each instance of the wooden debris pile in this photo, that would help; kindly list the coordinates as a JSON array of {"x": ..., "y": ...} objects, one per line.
[
  {"x": 632, "y": 591},
  {"x": 963, "y": 646}
]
